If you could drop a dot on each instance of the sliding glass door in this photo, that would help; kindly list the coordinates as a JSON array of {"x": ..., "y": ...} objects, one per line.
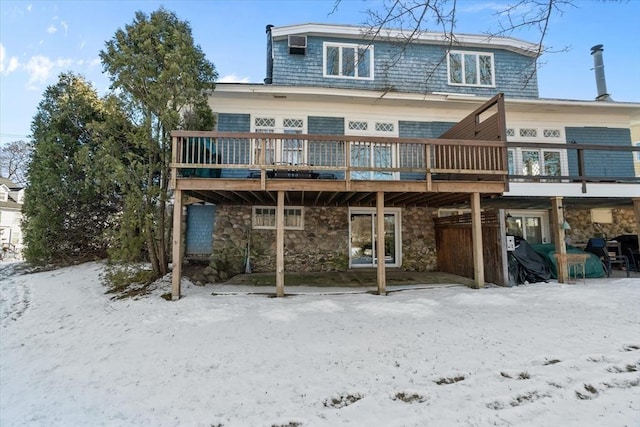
[{"x": 362, "y": 238}]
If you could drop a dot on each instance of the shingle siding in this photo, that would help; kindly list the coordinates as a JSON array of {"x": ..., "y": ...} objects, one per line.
[
  {"x": 417, "y": 68},
  {"x": 601, "y": 163},
  {"x": 236, "y": 123},
  {"x": 325, "y": 125},
  {"x": 409, "y": 129},
  {"x": 317, "y": 125}
]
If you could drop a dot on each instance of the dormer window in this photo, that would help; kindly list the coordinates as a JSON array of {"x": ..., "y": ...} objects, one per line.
[
  {"x": 352, "y": 61},
  {"x": 471, "y": 69}
]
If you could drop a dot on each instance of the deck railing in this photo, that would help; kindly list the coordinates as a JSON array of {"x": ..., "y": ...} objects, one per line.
[
  {"x": 381, "y": 157},
  {"x": 284, "y": 155}
]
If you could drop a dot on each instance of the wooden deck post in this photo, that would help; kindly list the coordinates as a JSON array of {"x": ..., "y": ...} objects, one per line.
[
  {"x": 280, "y": 245},
  {"x": 176, "y": 274},
  {"x": 476, "y": 233},
  {"x": 636, "y": 209},
  {"x": 557, "y": 230},
  {"x": 381, "y": 268}
]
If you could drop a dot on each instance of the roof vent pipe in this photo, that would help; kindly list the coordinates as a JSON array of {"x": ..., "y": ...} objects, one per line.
[
  {"x": 598, "y": 66},
  {"x": 269, "y": 79}
]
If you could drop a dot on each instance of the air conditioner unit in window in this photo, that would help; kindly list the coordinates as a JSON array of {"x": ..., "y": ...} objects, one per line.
[{"x": 297, "y": 45}]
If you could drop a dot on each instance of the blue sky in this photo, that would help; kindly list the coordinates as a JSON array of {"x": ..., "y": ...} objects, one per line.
[{"x": 40, "y": 39}]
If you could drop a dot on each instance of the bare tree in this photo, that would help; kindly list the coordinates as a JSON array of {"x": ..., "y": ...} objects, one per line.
[
  {"x": 14, "y": 160},
  {"x": 416, "y": 17}
]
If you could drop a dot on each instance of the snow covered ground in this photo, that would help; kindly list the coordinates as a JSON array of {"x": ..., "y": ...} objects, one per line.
[{"x": 535, "y": 355}]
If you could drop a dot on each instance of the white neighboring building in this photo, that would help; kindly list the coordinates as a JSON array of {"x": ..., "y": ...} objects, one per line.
[{"x": 11, "y": 200}]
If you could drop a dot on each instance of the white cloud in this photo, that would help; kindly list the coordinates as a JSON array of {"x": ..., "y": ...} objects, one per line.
[
  {"x": 29, "y": 8},
  {"x": 64, "y": 25},
  {"x": 9, "y": 66},
  {"x": 51, "y": 29},
  {"x": 233, "y": 78},
  {"x": 13, "y": 65},
  {"x": 82, "y": 44},
  {"x": 39, "y": 68},
  {"x": 94, "y": 62}
]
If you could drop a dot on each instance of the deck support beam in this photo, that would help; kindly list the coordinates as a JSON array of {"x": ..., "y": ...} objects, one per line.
[
  {"x": 381, "y": 272},
  {"x": 476, "y": 236},
  {"x": 280, "y": 245},
  {"x": 176, "y": 274},
  {"x": 557, "y": 230}
]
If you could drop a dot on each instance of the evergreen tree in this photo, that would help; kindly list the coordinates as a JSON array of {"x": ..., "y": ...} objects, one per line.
[
  {"x": 164, "y": 77},
  {"x": 69, "y": 203}
]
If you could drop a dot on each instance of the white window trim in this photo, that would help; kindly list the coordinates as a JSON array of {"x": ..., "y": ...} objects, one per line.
[
  {"x": 540, "y": 134},
  {"x": 273, "y": 227},
  {"x": 325, "y": 45},
  {"x": 371, "y": 127},
  {"x": 279, "y": 128},
  {"x": 371, "y": 131},
  {"x": 518, "y": 163},
  {"x": 4, "y": 196},
  {"x": 477, "y": 55},
  {"x": 544, "y": 220},
  {"x": 398, "y": 227},
  {"x": 636, "y": 156}
]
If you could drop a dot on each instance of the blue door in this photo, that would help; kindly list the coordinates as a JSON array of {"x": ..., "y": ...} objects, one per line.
[{"x": 199, "y": 239}]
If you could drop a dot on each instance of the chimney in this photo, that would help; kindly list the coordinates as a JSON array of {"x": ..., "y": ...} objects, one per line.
[
  {"x": 598, "y": 66},
  {"x": 269, "y": 79}
]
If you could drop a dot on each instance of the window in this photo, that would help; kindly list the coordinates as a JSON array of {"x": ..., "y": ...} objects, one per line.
[
  {"x": 470, "y": 69},
  {"x": 4, "y": 196},
  {"x": 348, "y": 61},
  {"x": 637, "y": 153},
  {"x": 511, "y": 161},
  {"x": 534, "y": 162},
  {"x": 528, "y": 133},
  {"x": 264, "y": 217},
  {"x": 551, "y": 133},
  {"x": 290, "y": 151},
  {"x": 530, "y": 225},
  {"x": 376, "y": 155},
  {"x": 362, "y": 237}
]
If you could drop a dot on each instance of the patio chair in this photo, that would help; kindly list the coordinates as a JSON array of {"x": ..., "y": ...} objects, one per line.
[{"x": 598, "y": 246}]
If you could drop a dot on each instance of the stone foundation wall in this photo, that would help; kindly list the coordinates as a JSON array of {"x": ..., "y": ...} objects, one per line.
[
  {"x": 582, "y": 228},
  {"x": 323, "y": 245},
  {"x": 419, "y": 239}
]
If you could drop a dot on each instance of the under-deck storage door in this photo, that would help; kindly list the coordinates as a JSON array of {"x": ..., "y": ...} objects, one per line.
[{"x": 199, "y": 236}]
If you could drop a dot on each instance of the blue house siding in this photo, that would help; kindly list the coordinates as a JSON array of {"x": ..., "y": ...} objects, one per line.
[
  {"x": 416, "y": 68},
  {"x": 601, "y": 163},
  {"x": 199, "y": 235},
  {"x": 407, "y": 129},
  {"x": 236, "y": 123},
  {"x": 317, "y": 125},
  {"x": 325, "y": 125}
]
